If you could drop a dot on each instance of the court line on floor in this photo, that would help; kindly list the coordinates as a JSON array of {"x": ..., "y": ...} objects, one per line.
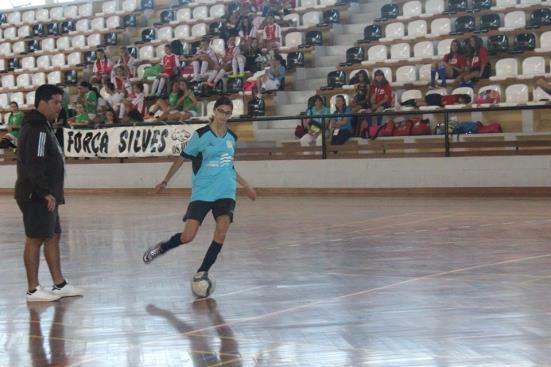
[{"x": 364, "y": 292}]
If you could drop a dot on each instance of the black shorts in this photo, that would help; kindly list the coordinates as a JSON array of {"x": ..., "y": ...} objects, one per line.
[
  {"x": 199, "y": 209},
  {"x": 38, "y": 221},
  {"x": 485, "y": 73}
]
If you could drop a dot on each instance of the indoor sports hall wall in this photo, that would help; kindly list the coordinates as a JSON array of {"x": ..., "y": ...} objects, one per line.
[{"x": 355, "y": 174}]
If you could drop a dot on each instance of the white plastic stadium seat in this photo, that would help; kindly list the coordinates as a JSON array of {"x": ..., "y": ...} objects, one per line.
[
  {"x": 210, "y": 108},
  {"x": 394, "y": 31},
  {"x": 4, "y": 100},
  {"x": 199, "y": 30},
  {"x": 540, "y": 95},
  {"x": 376, "y": 54},
  {"x": 405, "y": 75},
  {"x": 129, "y": 5},
  {"x": 504, "y": 4},
  {"x": 433, "y": 7},
  {"x": 325, "y": 3},
  {"x": 443, "y": 48},
  {"x": 146, "y": 53},
  {"x": 47, "y": 44},
  {"x": 410, "y": 94},
  {"x": 28, "y": 17},
  {"x": 423, "y": 50},
  {"x": 532, "y": 66},
  {"x": 5, "y": 48},
  {"x": 515, "y": 94},
  {"x": 54, "y": 77},
  {"x": 8, "y": 81},
  {"x": 93, "y": 40},
  {"x": 160, "y": 51},
  {"x": 98, "y": 24},
  {"x": 28, "y": 63},
  {"x": 14, "y": 17},
  {"x": 527, "y": 3},
  {"x": 183, "y": 15},
  {"x": 42, "y": 15},
  {"x": 440, "y": 27},
  {"x": 85, "y": 10},
  {"x": 424, "y": 75},
  {"x": 312, "y": 19},
  {"x": 39, "y": 79},
  {"x": 29, "y": 99},
  {"x": 78, "y": 41},
  {"x": 217, "y": 11},
  {"x": 23, "y": 80},
  {"x": 23, "y": 31},
  {"x": 292, "y": 39},
  {"x": 513, "y": 20},
  {"x": 238, "y": 107},
  {"x": 545, "y": 42},
  {"x": 165, "y": 34},
  {"x": 58, "y": 60},
  {"x": 399, "y": 52},
  {"x": 71, "y": 12},
  {"x": 506, "y": 68},
  {"x": 57, "y": 13},
  {"x": 63, "y": 43},
  {"x": 411, "y": 9},
  {"x": 307, "y": 4},
  {"x": 461, "y": 90},
  {"x": 82, "y": 25},
  {"x": 181, "y": 32},
  {"x": 140, "y": 70},
  {"x": 10, "y": 33},
  {"x": 109, "y": 7},
  {"x": 3, "y": 65},
  {"x": 18, "y": 97},
  {"x": 416, "y": 29},
  {"x": 19, "y": 47},
  {"x": 217, "y": 45},
  {"x": 494, "y": 87},
  {"x": 113, "y": 22},
  {"x": 74, "y": 58},
  {"x": 201, "y": 12},
  {"x": 293, "y": 18},
  {"x": 43, "y": 62}
]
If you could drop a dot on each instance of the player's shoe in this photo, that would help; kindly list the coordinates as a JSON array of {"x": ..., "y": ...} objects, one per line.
[
  {"x": 152, "y": 253},
  {"x": 42, "y": 295}
]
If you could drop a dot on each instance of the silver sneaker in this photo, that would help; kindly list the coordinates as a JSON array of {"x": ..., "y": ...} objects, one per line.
[
  {"x": 152, "y": 253},
  {"x": 42, "y": 295}
]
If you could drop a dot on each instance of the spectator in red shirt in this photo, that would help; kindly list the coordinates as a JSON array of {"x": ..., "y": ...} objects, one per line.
[
  {"x": 102, "y": 65},
  {"x": 478, "y": 65},
  {"x": 380, "y": 96},
  {"x": 272, "y": 34},
  {"x": 451, "y": 66},
  {"x": 170, "y": 70}
]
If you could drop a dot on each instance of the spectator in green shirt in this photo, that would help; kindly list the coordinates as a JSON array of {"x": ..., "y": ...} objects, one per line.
[
  {"x": 14, "y": 124},
  {"x": 88, "y": 96},
  {"x": 82, "y": 118}
]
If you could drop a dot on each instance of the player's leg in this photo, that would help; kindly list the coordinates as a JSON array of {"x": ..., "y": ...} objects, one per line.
[
  {"x": 223, "y": 214},
  {"x": 196, "y": 212}
]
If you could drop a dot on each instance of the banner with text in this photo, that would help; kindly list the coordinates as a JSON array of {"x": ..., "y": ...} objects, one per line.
[{"x": 125, "y": 142}]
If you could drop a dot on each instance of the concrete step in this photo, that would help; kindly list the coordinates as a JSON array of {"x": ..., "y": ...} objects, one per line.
[
  {"x": 317, "y": 72},
  {"x": 331, "y": 50},
  {"x": 363, "y": 18},
  {"x": 294, "y": 97},
  {"x": 292, "y": 108},
  {"x": 278, "y": 124},
  {"x": 354, "y": 28},
  {"x": 329, "y": 61},
  {"x": 311, "y": 84},
  {"x": 372, "y": 6},
  {"x": 275, "y": 135},
  {"x": 348, "y": 39}
]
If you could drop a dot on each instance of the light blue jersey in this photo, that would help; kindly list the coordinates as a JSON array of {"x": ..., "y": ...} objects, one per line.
[{"x": 214, "y": 175}]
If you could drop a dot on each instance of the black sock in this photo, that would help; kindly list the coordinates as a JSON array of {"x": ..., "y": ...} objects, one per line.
[
  {"x": 173, "y": 242},
  {"x": 61, "y": 285},
  {"x": 31, "y": 292},
  {"x": 210, "y": 256}
]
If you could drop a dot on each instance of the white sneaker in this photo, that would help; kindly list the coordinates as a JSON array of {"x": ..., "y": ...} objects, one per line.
[
  {"x": 42, "y": 295},
  {"x": 67, "y": 291}
]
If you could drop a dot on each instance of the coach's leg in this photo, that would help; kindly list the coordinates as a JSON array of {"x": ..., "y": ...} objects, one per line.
[
  {"x": 51, "y": 253},
  {"x": 222, "y": 226},
  {"x": 31, "y": 258}
]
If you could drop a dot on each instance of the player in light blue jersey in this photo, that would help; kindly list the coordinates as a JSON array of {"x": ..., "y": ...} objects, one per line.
[{"x": 211, "y": 150}]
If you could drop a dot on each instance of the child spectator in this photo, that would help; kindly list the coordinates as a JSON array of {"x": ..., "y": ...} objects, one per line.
[
  {"x": 272, "y": 34},
  {"x": 342, "y": 126},
  {"x": 127, "y": 61},
  {"x": 15, "y": 120},
  {"x": 113, "y": 97},
  {"x": 245, "y": 31},
  {"x": 274, "y": 76},
  {"x": 133, "y": 108},
  {"x": 234, "y": 58},
  {"x": 102, "y": 65},
  {"x": 111, "y": 118},
  {"x": 204, "y": 60},
  {"x": 478, "y": 65},
  {"x": 170, "y": 66},
  {"x": 313, "y": 135},
  {"x": 82, "y": 118},
  {"x": 88, "y": 97},
  {"x": 380, "y": 95},
  {"x": 361, "y": 89},
  {"x": 451, "y": 66},
  {"x": 120, "y": 80}
]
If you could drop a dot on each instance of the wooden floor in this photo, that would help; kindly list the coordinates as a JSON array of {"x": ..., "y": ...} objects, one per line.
[{"x": 327, "y": 281}]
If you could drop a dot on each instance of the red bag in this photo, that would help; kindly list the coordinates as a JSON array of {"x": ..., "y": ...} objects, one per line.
[
  {"x": 249, "y": 86},
  {"x": 490, "y": 128},
  {"x": 404, "y": 129},
  {"x": 387, "y": 129},
  {"x": 420, "y": 127},
  {"x": 300, "y": 130}
]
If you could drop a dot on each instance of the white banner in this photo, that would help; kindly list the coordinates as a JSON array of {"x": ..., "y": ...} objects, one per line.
[{"x": 131, "y": 141}]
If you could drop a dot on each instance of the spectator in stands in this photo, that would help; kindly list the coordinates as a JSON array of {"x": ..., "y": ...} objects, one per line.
[
  {"x": 271, "y": 34},
  {"x": 436, "y": 99},
  {"x": 231, "y": 26},
  {"x": 452, "y": 65},
  {"x": 180, "y": 106},
  {"x": 88, "y": 97},
  {"x": 245, "y": 31},
  {"x": 170, "y": 66},
  {"x": 206, "y": 60},
  {"x": 234, "y": 59},
  {"x": 478, "y": 64},
  {"x": 120, "y": 79},
  {"x": 133, "y": 107},
  {"x": 361, "y": 89},
  {"x": 313, "y": 135},
  {"x": 113, "y": 97},
  {"x": 15, "y": 120},
  {"x": 127, "y": 61},
  {"x": 111, "y": 118},
  {"x": 82, "y": 118},
  {"x": 102, "y": 66},
  {"x": 341, "y": 126},
  {"x": 273, "y": 78},
  {"x": 380, "y": 94},
  {"x": 254, "y": 57}
]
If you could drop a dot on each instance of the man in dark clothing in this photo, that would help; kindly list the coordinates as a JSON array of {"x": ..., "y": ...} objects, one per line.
[{"x": 39, "y": 192}]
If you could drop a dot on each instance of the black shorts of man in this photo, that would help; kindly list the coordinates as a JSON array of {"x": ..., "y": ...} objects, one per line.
[{"x": 39, "y": 192}]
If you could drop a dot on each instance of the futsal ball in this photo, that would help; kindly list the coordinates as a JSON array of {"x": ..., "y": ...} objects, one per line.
[{"x": 202, "y": 284}]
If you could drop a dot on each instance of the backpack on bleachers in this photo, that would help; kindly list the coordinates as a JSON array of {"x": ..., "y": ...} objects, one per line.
[
  {"x": 147, "y": 4},
  {"x": 388, "y": 11},
  {"x": 492, "y": 128},
  {"x": 464, "y": 24},
  {"x": 457, "y": 6},
  {"x": 314, "y": 38},
  {"x": 256, "y": 107},
  {"x": 295, "y": 59},
  {"x": 167, "y": 16},
  {"x": 355, "y": 55},
  {"x": 489, "y": 22},
  {"x": 336, "y": 79},
  {"x": 479, "y": 5},
  {"x": 331, "y": 16},
  {"x": 234, "y": 85},
  {"x": 373, "y": 33},
  {"x": 129, "y": 21},
  {"x": 524, "y": 42},
  {"x": 539, "y": 18},
  {"x": 498, "y": 44},
  {"x": 469, "y": 127}
]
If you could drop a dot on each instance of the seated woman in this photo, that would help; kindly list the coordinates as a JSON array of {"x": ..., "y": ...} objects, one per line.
[
  {"x": 313, "y": 135},
  {"x": 478, "y": 64},
  {"x": 170, "y": 70},
  {"x": 341, "y": 126},
  {"x": 111, "y": 118},
  {"x": 132, "y": 108},
  {"x": 274, "y": 75},
  {"x": 180, "y": 106},
  {"x": 206, "y": 64},
  {"x": 82, "y": 117},
  {"x": 435, "y": 99},
  {"x": 14, "y": 124},
  {"x": 234, "y": 59},
  {"x": 451, "y": 66},
  {"x": 380, "y": 96}
]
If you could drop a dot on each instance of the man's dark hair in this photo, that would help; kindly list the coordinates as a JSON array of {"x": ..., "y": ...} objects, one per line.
[
  {"x": 45, "y": 92},
  {"x": 223, "y": 101}
]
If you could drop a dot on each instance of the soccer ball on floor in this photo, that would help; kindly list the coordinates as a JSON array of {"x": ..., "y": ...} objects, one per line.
[{"x": 202, "y": 284}]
